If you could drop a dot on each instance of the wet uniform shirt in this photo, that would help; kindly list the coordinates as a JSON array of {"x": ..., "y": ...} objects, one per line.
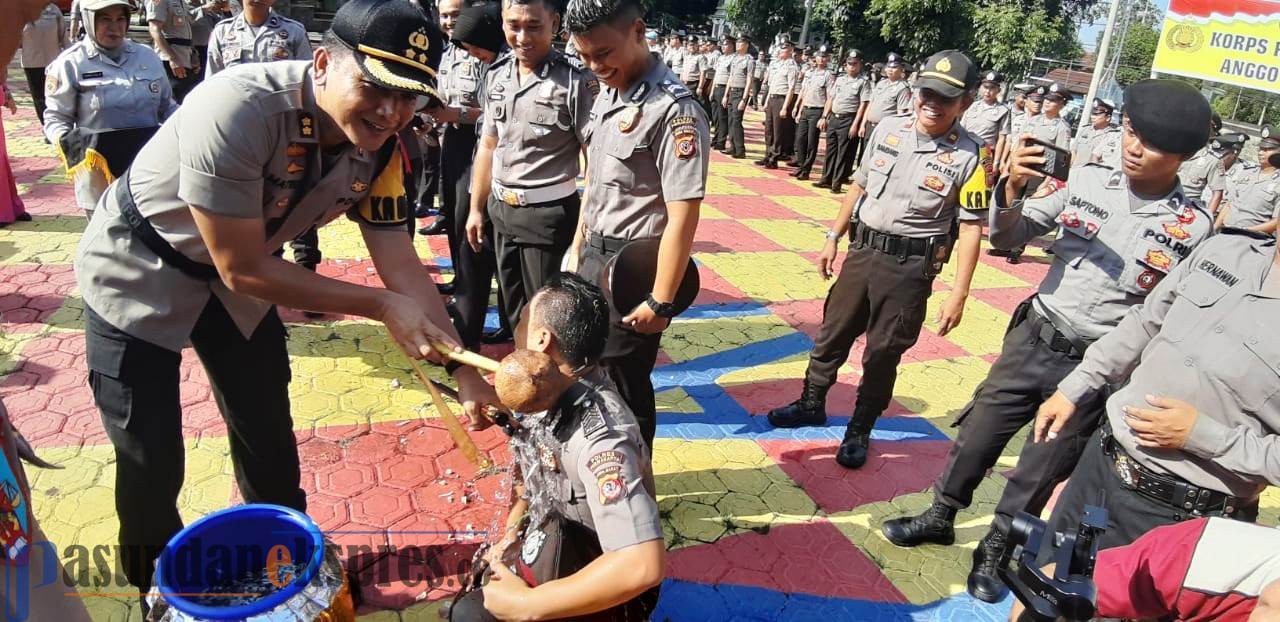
[
  {"x": 1088, "y": 139},
  {"x": 235, "y": 42},
  {"x": 781, "y": 79},
  {"x": 607, "y": 465},
  {"x": 1205, "y": 335},
  {"x": 912, "y": 181},
  {"x": 539, "y": 120},
  {"x": 648, "y": 146},
  {"x": 175, "y": 25},
  {"x": 888, "y": 98},
  {"x": 43, "y": 39},
  {"x": 815, "y": 87},
  {"x": 1200, "y": 172},
  {"x": 1114, "y": 248},
  {"x": 847, "y": 94},
  {"x": 1255, "y": 202},
  {"x": 241, "y": 147},
  {"x": 986, "y": 121}
]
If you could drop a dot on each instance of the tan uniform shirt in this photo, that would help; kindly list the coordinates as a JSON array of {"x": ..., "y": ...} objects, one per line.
[
  {"x": 1206, "y": 335},
  {"x": 648, "y": 146},
  {"x": 847, "y": 94},
  {"x": 815, "y": 87},
  {"x": 43, "y": 39},
  {"x": 709, "y": 67},
  {"x": 986, "y": 121},
  {"x": 693, "y": 67},
  {"x": 782, "y": 77},
  {"x": 912, "y": 181},
  {"x": 1200, "y": 172},
  {"x": 1107, "y": 150},
  {"x": 1053, "y": 131},
  {"x": 1114, "y": 248},
  {"x": 888, "y": 99},
  {"x": 721, "y": 68},
  {"x": 1086, "y": 141},
  {"x": 1255, "y": 202},
  {"x": 239, "y": 147},
  {"x": 539, "y": 120},
  {"x": 175, "y": 25},
  {"x": 235, "y": 42},
  {"x": 741, "y": 66},
  {"x": 461, "y": 76}
]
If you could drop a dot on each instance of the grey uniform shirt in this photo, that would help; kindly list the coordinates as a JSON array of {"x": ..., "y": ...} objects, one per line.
[
  {"x": 175, "y": 24},
  {"x": 608, "y": 466},
  {"x": 721, "y": 67},
  {"x": 460, "y": 77},
  {"x": 782, "y": 77},
  {"x": 1255, "y": 202},
  {"x": 1087, "y": 140},
  {"x": 674, "y": 58},
  {"x": 986, "y": 121},
  {"x": 761, "y": 70},
  {"x": 1200, "y": 172},
  {"x": 634, "y": 169},
  {"x": 1114, "y": 248},
  {"x": 1234, "y": 179},
  {"x": 236, "y": 42},
  {"x": 847, "y": 93},
  {"x": 239, "y": 147},
  {"x": 815, "y": 87},
  {"x": 1107, "y": 150},
  {"x": 912, "y": 181},
  {"x": 43, "y": 39},
  {"x": 888, "y": 98},
  {"x": 711, "y": 62},
  {"x": 693, "y": 67},
  {"x": 741, "y": 66},
  {"x": 1018, "y": 123},
  {"x": 1206, "y": 335},
  {"x": 539, "y": 123},
  {"x": 1053, "y": 131},
  {"x": 202, "y": 22}
]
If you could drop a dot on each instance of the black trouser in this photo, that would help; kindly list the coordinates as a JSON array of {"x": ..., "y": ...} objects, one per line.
[
  {"x": 738, "y": 145},
  {"x": 202, "y": 57},
  {"x": 719, "y": 117},
  {"x": 1026, "y": 374},
  {"x": 885, "y": 297},
  {"x": 181, "y": 86},
  {"x": 35, "y": 84},
  {"x": 693, "y": 88},
  {"x": 530, "y": 243},
  {"x": 840, "y": 150},
  {"x": 457, "y": 153},
  {"x": 135, "y": 385},
  {"x": 628, "y": 356},
  {"x": 306, "y": 248},
  {"x": 807, "y": 138},
  {"x": 781, "y": 131},
  {"x": 430, "y": 185},
  {"x": 1129, "y": 513}
]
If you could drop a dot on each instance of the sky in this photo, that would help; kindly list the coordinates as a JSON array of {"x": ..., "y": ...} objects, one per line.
[{"x": 1089, "y": 33}]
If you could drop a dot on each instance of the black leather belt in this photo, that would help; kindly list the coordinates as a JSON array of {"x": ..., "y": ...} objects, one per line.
[
  {"x": 606, "y": 245},
  {"x": 1051, "y": 336},
  {"x": 1166, "y": 489},
  {"x": 842, "y": 115},
  {"x": 184, "y": 42},
  {"x": 776, "y": 95},
  {"x": 145, "y": 233},
  {"x": 887, "y": 243}
]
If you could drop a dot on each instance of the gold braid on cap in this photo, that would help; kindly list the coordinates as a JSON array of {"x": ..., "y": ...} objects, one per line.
[
  {"x": 379, "y": 70},
  {"x": 942, "y": 76},
  {"x": 396, "y": 58}
]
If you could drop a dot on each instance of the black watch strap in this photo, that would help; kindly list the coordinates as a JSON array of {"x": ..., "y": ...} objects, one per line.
[{"x": 661, "y": 309}]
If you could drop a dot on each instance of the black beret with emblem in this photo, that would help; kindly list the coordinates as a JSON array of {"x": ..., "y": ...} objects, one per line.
[
  {"x": 894, "y": 60},
  {"x": 1101, "y": 105},
  {"x": 949, "y": 73},
  {"x": 853, "y": 54},
  {"x": 481, "y": 25},
  {"x": 992, "y": 77},
  {"x": 1233, "y": 141},
  {"x": 394, "y": 43},
  {"x": 1171, "y": 115},
  {"x": 1058, "y": 91},
  {"x": 1037, "y": 93},
  {"x": 1270, "y": 138}
]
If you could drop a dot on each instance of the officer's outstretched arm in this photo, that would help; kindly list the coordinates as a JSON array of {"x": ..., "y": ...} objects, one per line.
[
  {"x": 1016, "y": 220},
  {"x": 608, "y": 581}
]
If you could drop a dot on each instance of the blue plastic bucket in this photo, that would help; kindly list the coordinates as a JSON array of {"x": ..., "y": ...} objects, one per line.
[{"x": 230, "y": 543}]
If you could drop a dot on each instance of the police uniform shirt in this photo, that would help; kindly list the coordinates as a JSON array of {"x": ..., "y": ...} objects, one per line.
[
  {"x": 239, "y": 148},
  {"x": 782, "y": 77},
  {"x": 721, "y": 69},
  {"x": 712, "y": 59},
  {"x": 607, "y": 465},
  {"x": 1017, "y": 123},
  {"x": 1107, "y": 150},
  {"x": 849, "y": 93},
  {"x": 912, "y": 181},
  {"x": 741, "y": 66},
  {"x": 1053, "y": 131},
  {"x": 815, "y": 87},
  {"x": 202, "y": 22},
  {"x": 761, "y": 70},
  {"x": 460, "y": 76},
  {"x": 675, "y": 58},
  {"x": 87, "y": 89},
  {"x": 1255, "y": 202},
  {"x": 1205, "y": 335},
  {"x": 539, "y": 123},
  {"x": 1200, "y": 172},
  {"x": 888, "y": 98},
  {"x": 43, "y": 39},
  {"x": 175, "y": 23},
  {"x": 1114, "y": 248},
  {"x": 236, "y": 42},
  {"x": 648, "y": 146},
  {"x": 693, "y": 67},
  {"x": 986, "y": 121},
  {"x": 1232, "y": 181},
  {"x": 1087, "y": 140}
]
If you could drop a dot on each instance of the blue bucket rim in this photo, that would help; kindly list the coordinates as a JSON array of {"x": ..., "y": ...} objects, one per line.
[{"x": 262, "y": 605}]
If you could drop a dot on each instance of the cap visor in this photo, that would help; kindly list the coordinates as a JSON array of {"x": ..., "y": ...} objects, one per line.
[
  {"x": 938, "y": 86},
  {"x": 396, "y": 76},
  {"x": 1267, "y": 143}
]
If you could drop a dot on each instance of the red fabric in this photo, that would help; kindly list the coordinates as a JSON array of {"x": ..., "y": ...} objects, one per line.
[
  {"x": 1144, "y": 579},
  {"x": 10, "y": 203},
  {"x": 1202, "y": 8}
]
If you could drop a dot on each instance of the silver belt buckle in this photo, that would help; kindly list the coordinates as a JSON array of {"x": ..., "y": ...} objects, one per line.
[{"x": 1124, "y": 468}]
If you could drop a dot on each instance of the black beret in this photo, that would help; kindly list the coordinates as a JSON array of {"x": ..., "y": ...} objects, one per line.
[
  {"x": 1233, "y": 141},
  {"x": 1169, "y": 114},
  {"x": 481, "y": 26},
  {"x": 394, "y": 43}
]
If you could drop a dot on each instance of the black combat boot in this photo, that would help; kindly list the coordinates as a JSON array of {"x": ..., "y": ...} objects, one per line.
[
  {"x": 984, "y": 584},
  {"x": 857, "y": 437},
  {"x": 810, "y": 409},
  {"x": 935, "y": 525}
]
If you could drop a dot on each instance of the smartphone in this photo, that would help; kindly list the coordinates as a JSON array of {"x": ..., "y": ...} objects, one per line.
[{"x": 1057, "y": 161}]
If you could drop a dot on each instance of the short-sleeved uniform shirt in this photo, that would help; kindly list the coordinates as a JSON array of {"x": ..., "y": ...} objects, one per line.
[
  {"x": 741, "y": 66},
  {"x": 986, "y": 121},
  {"x": 912, "y": 181},
  {"x": 175, "y": 24},
  {"x": 1017, "y": 124},
  {"x": 43, "y": 39},
  {"x": 712, "y": 59},
  {"x": 235, "y": 41},
  {"x": 1114, "y": 248},
  {"x": 848, "y": 93},
  {"x": 461, "y": 77},
  {"x": 1255, "y": 202},
  {"x": 1053, "y": 131},
  {"x": 888, "y": 98},
  {"x": 539, "y": 120},
  {"x": 674, "y": 57},
  {"x": 1087, "y": 140},
  {"x": 1107, "y": 150},
  {"x": 721, "y": 67},
  {"x": 607, "y": 465},
  {"x": 782, "y": 77},
  {"x": 1232, "y": 180},
  {"x": 693, "y": 67},
  {"x": 245, "y": 145},
  {"x": 648, "y": 146},
  {"x": 815, "y": 87},
  {"x": 1200, "y": 172}
]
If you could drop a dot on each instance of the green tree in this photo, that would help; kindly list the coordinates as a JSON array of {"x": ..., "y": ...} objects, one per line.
[
  {"x": 922, "y": 27},
  {"x": 678, "y": 14},
  {"x": 1139, "y": 51},
  {"x": 762, "y": 20},
  {"x": 850, "y": 27},
  {"x": 1013, "y": 33}
]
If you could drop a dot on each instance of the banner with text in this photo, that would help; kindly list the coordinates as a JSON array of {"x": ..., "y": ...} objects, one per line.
[{"x": 1230, "y": 41}]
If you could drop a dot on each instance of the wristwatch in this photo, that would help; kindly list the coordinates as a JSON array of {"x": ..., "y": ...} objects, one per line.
[
  {"x": 832, "y": 235},
  {"x": 661, "y": 309}
]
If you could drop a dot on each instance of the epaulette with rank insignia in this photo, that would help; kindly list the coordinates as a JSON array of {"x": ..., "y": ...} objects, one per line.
[{"x": 675, "y": 89}]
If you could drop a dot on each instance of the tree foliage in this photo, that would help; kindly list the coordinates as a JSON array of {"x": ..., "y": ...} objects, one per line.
[
  {"x": 678, "y": 14},
  {"x": 762, "y": 20},
  {"x": 1011, "y": 34},
  {"x": 922, "y": 27},
  {"x": 1136, "y": 56}
]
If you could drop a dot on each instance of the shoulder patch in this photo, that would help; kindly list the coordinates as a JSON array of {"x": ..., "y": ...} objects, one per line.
[
  {"x": 594, "y": 421},
  {"x": 675, "y": 89}
]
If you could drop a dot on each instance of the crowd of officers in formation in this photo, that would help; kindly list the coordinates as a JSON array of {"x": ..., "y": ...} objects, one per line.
[{"x": 1145, "y": 358}]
